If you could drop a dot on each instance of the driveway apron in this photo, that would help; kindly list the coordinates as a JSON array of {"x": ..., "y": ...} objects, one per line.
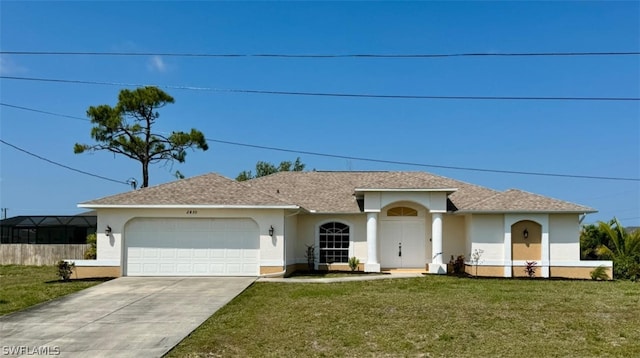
[{"x": 125, "y": 317}]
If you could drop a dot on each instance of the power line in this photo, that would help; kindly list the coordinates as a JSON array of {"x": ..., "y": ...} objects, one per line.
[
  {"x": 319, "y": 154},
  {"x": 322, "y": 94},
  {"x": 43, "y": 112},
  {"x": 424, "y": 165},
  {"x": 282, "y": 55},
  {"x": 61, "y": 165}
]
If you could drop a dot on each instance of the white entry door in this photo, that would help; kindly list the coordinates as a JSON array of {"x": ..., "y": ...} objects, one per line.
[
  {"x": 191, "y": 247},
  {"x": 402, "y": 244}
]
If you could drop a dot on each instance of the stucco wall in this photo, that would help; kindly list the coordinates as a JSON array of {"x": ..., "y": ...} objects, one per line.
[
  {"x": 308, "y": 226},
  {"x": 453, "y": 237},
  {"x": 487, "y": 234},
  {"x": 271, "y": 248},
  {"x": 564, "y": 237},
  {"x": 434, "y": 201},
  {"x": 291, "y": 237}
]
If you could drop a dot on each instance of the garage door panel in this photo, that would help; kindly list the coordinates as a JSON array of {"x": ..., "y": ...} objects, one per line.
[
  {"x": 168, "y": 253},
  {"x": 185, "y": 247}
]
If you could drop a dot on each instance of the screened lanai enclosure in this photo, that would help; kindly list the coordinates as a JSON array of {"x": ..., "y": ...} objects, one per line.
[{"x": 47, "y": 229}]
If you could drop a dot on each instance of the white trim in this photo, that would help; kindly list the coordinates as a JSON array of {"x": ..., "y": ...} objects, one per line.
[
  {"x": 96, "y": 263},
  {"x": 172, "y": 206},
  {"x": 372, "y": 210},
  {"x": 271, "y": 263},
  {"x": 437, "y": 211},
  {"x": 486, "y": 263},
  {"x": 579, "y": 263},
  {"x": 406, "y": 190}
]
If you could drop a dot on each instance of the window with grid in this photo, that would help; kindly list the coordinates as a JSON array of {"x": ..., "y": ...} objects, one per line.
[{"x": 334, "y": 243}]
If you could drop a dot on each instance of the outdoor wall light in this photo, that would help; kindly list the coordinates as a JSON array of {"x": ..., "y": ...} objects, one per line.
[
  {"x": 525, "y": 234},
  {"x": 271, "y": 230},
  {"x": 107, "y": 231}
]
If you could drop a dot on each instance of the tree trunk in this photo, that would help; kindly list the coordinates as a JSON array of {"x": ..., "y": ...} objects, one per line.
[{"x": 145, "y": 175}]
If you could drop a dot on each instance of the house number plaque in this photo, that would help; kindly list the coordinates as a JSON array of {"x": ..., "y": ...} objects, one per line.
[{"x": 192, "y": 212}]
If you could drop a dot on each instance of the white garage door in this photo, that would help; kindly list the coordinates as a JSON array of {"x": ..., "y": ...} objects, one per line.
[{"x": 191, "y": 247}]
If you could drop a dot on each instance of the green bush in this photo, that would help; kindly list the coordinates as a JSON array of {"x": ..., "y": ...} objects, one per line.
[
  {"x": 65, "y": 269},
  {"x": 626, "y": 267},
  {"x": 599, "y": 273},
  {"x": 92, "y": 251},
  {"x": 457, "y": 264},
  {"x": 353, "y": 263}
]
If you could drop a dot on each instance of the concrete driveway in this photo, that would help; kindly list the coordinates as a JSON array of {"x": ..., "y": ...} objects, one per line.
[{"x": 125, "y": 317}]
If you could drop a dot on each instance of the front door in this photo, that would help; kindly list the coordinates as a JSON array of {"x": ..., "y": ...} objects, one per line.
[{"x": 402, "y": 244}]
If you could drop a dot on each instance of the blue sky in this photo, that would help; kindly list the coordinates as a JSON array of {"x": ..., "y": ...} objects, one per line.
[{"x": 571, "y": 137}]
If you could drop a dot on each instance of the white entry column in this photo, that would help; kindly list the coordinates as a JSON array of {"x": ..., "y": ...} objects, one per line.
[
  {"x": 436, "y": 265},
  {"x": 372, "y": 264},
  {"x": 545, "y": 251}
]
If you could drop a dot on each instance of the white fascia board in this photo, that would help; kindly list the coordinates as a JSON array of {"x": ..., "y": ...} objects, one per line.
[
  {"x": 107, "y": 206},
  {"x": 448, "y": 190}
]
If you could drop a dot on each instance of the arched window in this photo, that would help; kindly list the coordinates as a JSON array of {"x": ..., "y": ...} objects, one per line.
[
  {"x": 334, "y": 243},
  {"x": 402, "y": 211}
]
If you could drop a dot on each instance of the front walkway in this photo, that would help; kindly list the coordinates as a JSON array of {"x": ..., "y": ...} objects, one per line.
[{"x": 125, "y": 317}]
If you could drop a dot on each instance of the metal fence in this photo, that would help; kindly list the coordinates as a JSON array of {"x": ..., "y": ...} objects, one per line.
[{"x": 40, "y": 254}]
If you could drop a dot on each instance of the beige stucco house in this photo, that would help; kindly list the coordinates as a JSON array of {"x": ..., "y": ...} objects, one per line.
[{"x": 211, "y": 225}]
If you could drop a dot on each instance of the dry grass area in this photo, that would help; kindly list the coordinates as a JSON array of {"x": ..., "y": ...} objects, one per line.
[
  {"x": 24, "y": 286},
  {"x": 428, "y": 316}
]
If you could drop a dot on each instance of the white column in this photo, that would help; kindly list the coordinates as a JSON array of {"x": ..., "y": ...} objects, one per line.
[
  {"x": 545, "y": 251},
  {"x": 436, "y": 243},
  {"x": 508, "y": 271},
  {"x": 436, "y": 265},
  {"x": 372, "y": 264}
]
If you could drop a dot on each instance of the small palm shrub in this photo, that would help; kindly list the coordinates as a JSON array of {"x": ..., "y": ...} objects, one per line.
[
  {"x": 353, "y": 263},
  {"x": 599, "y": 273},
  {"x": 530, "y": 268}
]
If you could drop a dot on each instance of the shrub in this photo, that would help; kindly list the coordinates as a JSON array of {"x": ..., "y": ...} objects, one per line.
[
  {"x": 353, "y": 263},
  {"x": 626, "y": 267},
  {"x": 311, "y": 257},
  {"x": 65, "y": 269},
  {"x": 476, "y": 259},
  {"x": 91, "y": 252},
  {"x": 599, "y": 273},
  {"x": 530, "y": 268},
  {"x": 457, "y": 264}
]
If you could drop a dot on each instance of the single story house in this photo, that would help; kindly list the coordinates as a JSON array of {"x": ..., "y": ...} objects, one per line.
[{"x": 212, "y": 225}]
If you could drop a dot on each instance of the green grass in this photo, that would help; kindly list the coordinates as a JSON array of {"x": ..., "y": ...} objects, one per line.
[
  {"x": 428, "y": 316},
  {"x": 329, "y": 274},
  {"x": 24, "y": 286}
]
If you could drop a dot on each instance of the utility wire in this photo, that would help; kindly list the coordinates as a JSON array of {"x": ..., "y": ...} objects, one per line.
[
  {"x": 43, "y": 112},
  {"x": 61, "y": 165},
  {"x": 322, "y": 94},
  {"x": 282, "y": 55},
  {"x": 319, "y": 154},
  {"x": 422, "y": 164}
]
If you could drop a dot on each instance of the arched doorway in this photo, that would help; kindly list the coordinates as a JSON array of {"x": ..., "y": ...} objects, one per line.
[
  {"x": 403, "y": 234},
  {"x": 526, "y": 241}
]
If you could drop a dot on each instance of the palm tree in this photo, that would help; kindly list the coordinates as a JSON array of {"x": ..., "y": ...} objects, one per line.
[{"x": 623, "y": 248}]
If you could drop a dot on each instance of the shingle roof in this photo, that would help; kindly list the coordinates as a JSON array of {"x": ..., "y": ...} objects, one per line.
[
  {"x": 333, "y": 192},
  {"x": 330, "y": 192},
  {"x": 522, "y": 201},
  {"x": 208, "y": 189}
]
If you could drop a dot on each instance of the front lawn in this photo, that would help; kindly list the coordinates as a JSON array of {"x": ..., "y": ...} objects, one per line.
[
  {"x": 427, "y": 316},
  {"x": 24, "y": 286}
]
